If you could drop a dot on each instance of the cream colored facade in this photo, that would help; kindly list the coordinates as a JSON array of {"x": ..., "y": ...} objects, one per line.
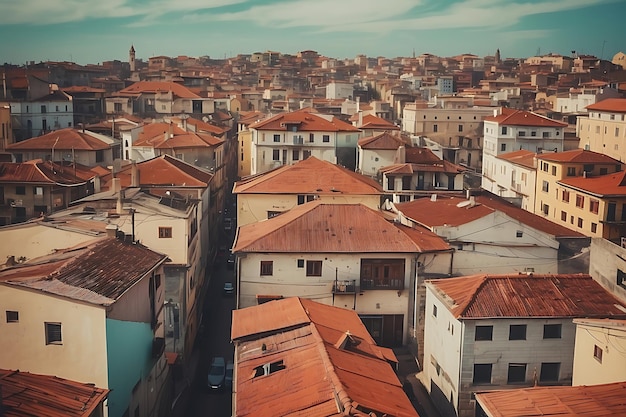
[
  {"x": 512, "y": 181},
  {"x": 599, "y": 352},
  {"x": 573, "y": 208},
  {"x": 244, "y": 153},
  {"x": 447, "y": 121},
  {"x": 83, "y": 354},
  {"x": 372, "y": 160},
  {"x": 252, "y": 208},
  {"x": 603, "y": 132}
]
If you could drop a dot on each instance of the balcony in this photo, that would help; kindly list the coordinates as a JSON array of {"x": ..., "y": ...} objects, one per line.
[
  {"x": 382, "y": 284},
  {"x": 298, "y": 140},
  {"x": 345, "y": 287}
]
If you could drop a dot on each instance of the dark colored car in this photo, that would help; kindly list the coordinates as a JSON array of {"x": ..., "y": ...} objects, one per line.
[
  {"x": 229, "y": 289},
  {"x": 228, "y": 380},
  {"x": 217, "y": 373}
]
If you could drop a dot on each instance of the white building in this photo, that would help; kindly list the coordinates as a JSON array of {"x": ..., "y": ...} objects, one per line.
[
  {"x": 44, "y": 114},
  {"x": 488, "y": 332},
  {"x": 335, "y": 90},
  {"x": 514, "y": 178}
]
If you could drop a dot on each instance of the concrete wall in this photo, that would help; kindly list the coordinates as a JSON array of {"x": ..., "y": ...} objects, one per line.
[{"x": 611, "y": 366}]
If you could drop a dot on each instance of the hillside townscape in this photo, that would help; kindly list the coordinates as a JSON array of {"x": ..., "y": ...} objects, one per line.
[{"x": 278, "y": 234}]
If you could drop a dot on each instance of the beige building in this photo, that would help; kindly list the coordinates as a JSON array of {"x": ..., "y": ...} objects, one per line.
[
  {"x": 604, "y": 130},
  {"x": 574, "y": 190},
  {"x": 268, "y": 195},
  {"x": 599, "y": 351}
]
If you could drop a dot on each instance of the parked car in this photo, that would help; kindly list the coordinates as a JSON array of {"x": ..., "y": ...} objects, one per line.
[
  {"x": 228, "y": 380},
  {"x": 229, "y": 289},
  {"x": 217, "y": 373}
]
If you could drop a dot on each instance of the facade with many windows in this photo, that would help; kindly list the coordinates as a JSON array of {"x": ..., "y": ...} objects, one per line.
[
  {"x": 604, "y": 129},
  {"x": 489, "y": 332}
]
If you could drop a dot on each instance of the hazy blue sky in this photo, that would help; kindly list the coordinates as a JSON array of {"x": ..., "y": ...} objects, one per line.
[{"x": 92, "y": 31}]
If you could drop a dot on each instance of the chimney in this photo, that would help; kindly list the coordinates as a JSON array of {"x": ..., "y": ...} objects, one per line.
[
  {"x": 134, "y": 175},
  {"x": 171, "y": 130},
  {"x": 119, "y": 203},
  {"x": 360, "y": 119},
  {"x": 400, "y": 155},
  {"x": 116, "y": 186},
  {"x": 111, "y": 230},
  {"x": 358, "y": 104}
]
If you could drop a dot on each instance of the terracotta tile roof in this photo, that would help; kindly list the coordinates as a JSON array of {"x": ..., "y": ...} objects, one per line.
[
  {"x": 202, "y": 126},
  {"x": 522, "y": 157},
  {"x": 409, "y": 168},
  {"x": 247, "y": 118},
  {"x": 617, "y": 105},
  {"x": 371, "y": 121},
  {"x": 25, "y": 394},
  {"x": 579, "y": 156},
  {"x": 309, "y": 176},
  {"x": 444, "y": 211},
  {"x": 97, "y": 272},
  {"x": 420, "y": 155},
  {"x": 39, "y": 172},
  {"x": 382, "y": 141},
  {"x": 535, "y": 295},
  {"x": 163, "y": 170},
  {"x": 306, "y": 121},
  {"x": 83, "y": 89},
  {"x": 329, "y": 360},
  {"x": 578, "y": 401},
  {"x": 340, "y": 228},
  {"x": 62, "y": 140},
  {"x": 602, "y": 186},
  {"x": 510, "y": 117},
  {"x": 158, "y": 87}
]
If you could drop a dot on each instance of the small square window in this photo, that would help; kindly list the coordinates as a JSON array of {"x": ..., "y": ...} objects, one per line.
[
  {"x": 12, "y": 316},
  {"x": 483, "y": 333},
  {"x": 519, "y": 233},
  {"x": 482, "y": 373},
  {"x": 517, "y": 332},
  {"x": 53, "y": 333},
  {"x": 165, "y": 232},
  {"x": 517, "y": 373},
  {"x": 20, "y": 190},
  {"x": 300, "y": 263},
  {"x": 549, "y": 372},
  {"x": 326, "y": 138},
  {"x": 597, "y": 353},
  {"x": 276, "y": 138},
  {"x": 551, "y": 331},
  {"x": 313, "y": 268},
  {"x": 267, "y": 267}
]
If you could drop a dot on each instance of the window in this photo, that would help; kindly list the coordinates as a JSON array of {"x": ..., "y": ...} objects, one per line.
[
  {"x": 313, "y": 268},
  {"x": 517, "y": 332},
  {"x": 295, "y": 155},
  {"x": 545, "y": 135},
  {"x": 117, "y": 107},
  {"x": 521, "y": 133},
  {"x": 482, "y": 373},
  {"x": 545, "y": 186},
  {"x": 554, "y": 170},
  {"x": 517, "y": 373},
  {"x": 566, "y": 196},
  {"x": 580, "y": 201},
  {"x": 594, "y": 205},
  {"x": 20, "y": 190},
  {"x": 382, "y": 274},
  {"x": 276, "y": 155},
  {"x": 519, "y": 233},
  {"x": 533, "y": 133},
  {"x": 563, "y": 216},
  {"x": 311, "y": 137},
  {"x": 551, "y": 331},
  {"x": 268, "y": 368},
  {"x": 503, "y": 147},
  {"x": 617, "y": 132},
  {"x": 434, "y": 310},
  {"x": 571, "y": 171},
  {"x": 549, "y": 372},
  {"x": 43, "y": 109},
  {"x": 544, "y": 166},
  {"x": 483, "y": 333},
  {"x": 580, "y": 222},
  {"x": 38, "y": 191},
  {"x": 276, "y": 138},
  {"x": 100, "y": 156},
  {"x": 165, "y": 232},
  {"x": 326, "y": 138},
  {"x": 594, "y": 227},
  {"x": 12, "y": 316},
  {"x": 53, "y": 333},
  {"x": 300, "y": 263},
  {"x": 597, "y": 353},
  {"x": 390, "y": 183},
  {"x": 546, "y": 209},
  {"x": 267, "y": 267},
  {"x": 460, "y": 128},
  {"x": 504, "y": 130},
  {"x": 621, "y": 278}
]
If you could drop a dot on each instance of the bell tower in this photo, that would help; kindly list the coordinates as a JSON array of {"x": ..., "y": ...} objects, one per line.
[{"x": 131, "y": 58}]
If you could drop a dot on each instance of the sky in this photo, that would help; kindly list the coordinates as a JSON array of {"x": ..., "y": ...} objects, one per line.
[{"x": 93, "y": 31}]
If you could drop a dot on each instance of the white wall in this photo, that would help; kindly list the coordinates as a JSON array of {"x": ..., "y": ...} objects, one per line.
[{"x": 611, "y": 339}]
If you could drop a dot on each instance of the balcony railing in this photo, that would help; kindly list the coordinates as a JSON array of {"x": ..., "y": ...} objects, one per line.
[
  {"x": 345, "y": 287},
  {"x": 382, "y": 284}
]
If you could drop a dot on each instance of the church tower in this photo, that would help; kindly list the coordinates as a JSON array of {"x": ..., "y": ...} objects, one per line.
[{"x": 131, "y": 58}]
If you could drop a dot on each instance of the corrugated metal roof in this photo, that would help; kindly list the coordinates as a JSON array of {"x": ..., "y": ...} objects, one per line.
[
  {"x": 320, "y": 373},
  {"x": 579, "y": 401},
  {"x": 98, "y": 271},
  {"x": 534, "y": 295},
  {"x": 317, "y": 227},
  {"x": 310, "y": 176},
  {"x": 25, "y": 394}
]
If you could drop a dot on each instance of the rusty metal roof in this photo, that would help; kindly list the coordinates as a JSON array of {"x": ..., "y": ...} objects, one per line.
[
  {"x": 97, "y": 272},
  {"x": 533, "y": 295},
  {"x": 317, "y": 227},
  {"x": 310, "y": 176},
  {"x": 25, "y": 394},
  {"x": 328, "y": 363},
  {"x": 579, "y": 401}
]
